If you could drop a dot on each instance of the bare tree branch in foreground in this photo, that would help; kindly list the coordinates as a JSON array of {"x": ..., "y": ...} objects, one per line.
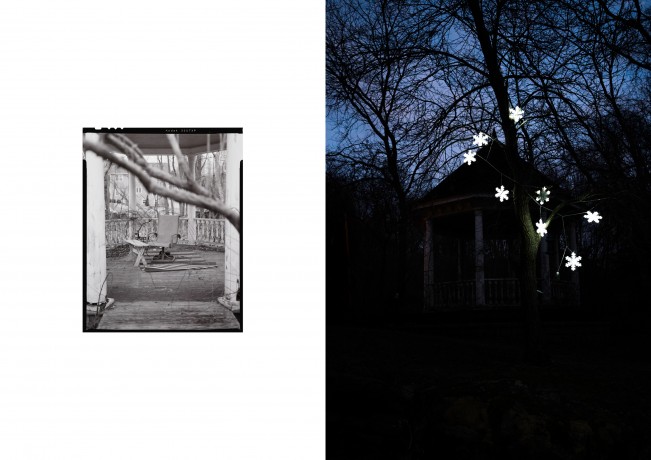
[{"x": 148, "y": 175}]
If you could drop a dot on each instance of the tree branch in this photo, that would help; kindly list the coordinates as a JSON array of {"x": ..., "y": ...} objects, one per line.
[
  {"x": 183, "y": 162},
  {"x": 133, "y": 152},
  {"x": 181, "y": 195}
]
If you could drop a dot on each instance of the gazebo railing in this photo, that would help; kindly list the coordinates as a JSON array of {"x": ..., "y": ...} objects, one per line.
[
  {"x": 502, "y": 292},
  {"x": 211, "y": 231},
  {"x": 498, "y": 292},
  {"x": 208, "y": 231}
]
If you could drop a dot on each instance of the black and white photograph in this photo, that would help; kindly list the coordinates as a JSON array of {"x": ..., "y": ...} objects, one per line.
[
  {"x": 163, "y": 229},
  {"x": 488, "y": 190}
]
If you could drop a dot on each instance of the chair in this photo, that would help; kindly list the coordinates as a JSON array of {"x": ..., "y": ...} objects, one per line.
[{"x": 166, "y": 237}]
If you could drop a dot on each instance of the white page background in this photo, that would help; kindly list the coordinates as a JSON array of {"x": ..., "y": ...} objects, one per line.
[{"x": 67, "y": 394}]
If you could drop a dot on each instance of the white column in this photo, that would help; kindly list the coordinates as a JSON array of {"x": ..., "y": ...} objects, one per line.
[
  {"x": 479, "y": 258},
  {"x": 95, "y": 227},
  {"x": 428, "y": 265},
  {"x": 132, "y": 203},
  {"x": 191, "y": 209},
  {"x": 232, "y": 236}
]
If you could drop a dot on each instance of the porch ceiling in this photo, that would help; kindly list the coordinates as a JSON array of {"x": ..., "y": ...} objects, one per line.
[{"x": 157, "y": 144}]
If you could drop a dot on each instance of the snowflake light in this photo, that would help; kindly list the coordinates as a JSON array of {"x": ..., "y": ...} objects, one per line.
[
  {"x": 469, "y": 157},
  {"x": 541, "y": 228},
  {"x": 516, "y": 114},
  {"x": 593, "y": 216},
  {"x": 480, "y": 139},
  {"x": 573, "y": 261},
  {"x": 501, "y": 193},
  {"x": 543, "y": 195}
]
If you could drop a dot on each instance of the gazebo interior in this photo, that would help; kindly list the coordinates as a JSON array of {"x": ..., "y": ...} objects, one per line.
[{"x": 195, "y": 289}]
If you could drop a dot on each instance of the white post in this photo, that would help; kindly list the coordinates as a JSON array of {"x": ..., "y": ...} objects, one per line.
[
  {"x": 428, "y": 265},
  {"x": 95, "y": 227},
  {"x": 191, "y": 209},
  {"x": 232, "y": 236},
  {"x": 479, "y": 258},
  {"x": 132, "y": 203}
]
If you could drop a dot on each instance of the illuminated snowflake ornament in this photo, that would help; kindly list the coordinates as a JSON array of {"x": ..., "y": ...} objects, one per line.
[
  {"x": 501, "y": 193},
  {"x": 573, "y": 261},
  {"x": 480, "y": 139},
  {"x": 469, "y": 157},
  {"x": 543, "y": 195},
  {"x": 541, "y": 228},
  {"x": 516, "y": 114},
  {"x": 593, "y": 216}
]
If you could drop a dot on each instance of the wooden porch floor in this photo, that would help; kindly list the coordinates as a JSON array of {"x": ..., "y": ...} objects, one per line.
[
  {"x": 160, "y": 315},
  {"x": 175, "y": 300}
]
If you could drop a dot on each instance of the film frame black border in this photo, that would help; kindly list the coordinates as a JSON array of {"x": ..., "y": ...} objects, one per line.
[{"x": 85, "y": 225}]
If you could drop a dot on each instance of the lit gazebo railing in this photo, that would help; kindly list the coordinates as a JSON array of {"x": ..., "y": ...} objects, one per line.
[
  {"x": 504, "y": 292},
  {"x": 498, "y": 292}
]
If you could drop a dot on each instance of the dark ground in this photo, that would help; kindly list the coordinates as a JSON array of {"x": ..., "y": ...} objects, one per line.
[{"x": 438, "y": 388}]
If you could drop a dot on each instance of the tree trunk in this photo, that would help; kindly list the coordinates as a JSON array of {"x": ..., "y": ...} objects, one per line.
[
  {"x": 170, "y": 169},
  {"x": 533, "y": 345},
  {"x": 530, "y": 240}
]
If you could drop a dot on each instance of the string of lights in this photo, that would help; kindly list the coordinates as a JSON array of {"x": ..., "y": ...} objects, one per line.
[{"x": 542, "y": 194}]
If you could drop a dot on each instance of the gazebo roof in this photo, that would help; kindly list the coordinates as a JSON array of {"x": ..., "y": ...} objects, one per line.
[
  {"x": 473, "y": 187},
  {"x": 481, "y": 178}
]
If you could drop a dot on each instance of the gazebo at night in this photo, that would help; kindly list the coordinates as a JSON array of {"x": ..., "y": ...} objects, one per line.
[
  {"x": 488, "y": 190},
  {"x": 471, "y": 244}
]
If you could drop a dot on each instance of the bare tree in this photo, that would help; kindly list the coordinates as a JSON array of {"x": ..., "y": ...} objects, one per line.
[
  {"x": 391, "y": 133},
  {"x": 535, "y": 55},
  {"x": 374, "y": 71},
  {"x": 624, "y": 27},
  {"x": 420, "y": 77}
]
